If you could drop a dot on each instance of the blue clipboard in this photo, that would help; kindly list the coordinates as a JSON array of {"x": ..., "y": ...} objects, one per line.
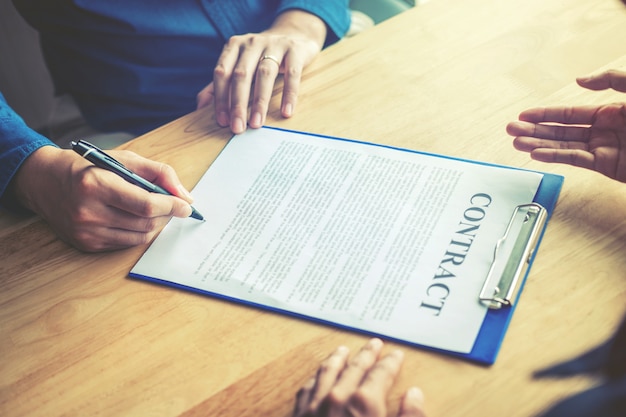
[
  {"x": 502, "y": 289},
  {"x": 497, "y": 319}
]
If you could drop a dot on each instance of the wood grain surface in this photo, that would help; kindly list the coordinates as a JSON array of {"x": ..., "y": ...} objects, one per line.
[{"x": 80, "y": 338}]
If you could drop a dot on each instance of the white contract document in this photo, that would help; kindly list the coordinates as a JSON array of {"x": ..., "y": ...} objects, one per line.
[{"x": 386, "y": 241}]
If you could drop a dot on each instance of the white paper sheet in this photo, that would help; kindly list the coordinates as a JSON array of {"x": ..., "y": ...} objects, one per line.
[{"x": 387, "y": 241}]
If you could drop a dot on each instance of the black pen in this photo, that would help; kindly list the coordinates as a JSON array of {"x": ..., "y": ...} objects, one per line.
[{"x": 100, "y": 159}]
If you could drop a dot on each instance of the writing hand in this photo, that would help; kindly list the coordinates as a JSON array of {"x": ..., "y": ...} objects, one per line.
[
  {"x": 241, "y": 73},
  {"x": 592, "y": 137},
  {"x": 356, "y": 387},
  {"x": 94, "y": 209}
]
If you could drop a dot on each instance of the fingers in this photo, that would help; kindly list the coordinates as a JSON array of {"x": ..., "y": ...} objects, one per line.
[
  {"x": 121, "y": 214},
  {"x": 240, "y": 64},
  {"x": 303, "y": 398},
  {"x": 131, "y": 199},
  {"x": 136, "y": 209},
  {"x": 221, "y": 81},
  {"x": 248, "y": 67},
  {"x": 608, "y": 79},
  {"x": 357, "y": 368},
  {"x": 96, "y": 215},
  {"x": 327, "y": 376},
  {"x": 267, "y": 71},
  {"x": 590, "y": 137},
  {"x": 575, "y": 157},
  {"x": 156, "y": 172},
  {"x": 94, "y": 209},
  {"x": 117, "y": 214},
  {"x": 552, "y": 132},
  {"x": 381, "y": 376},
  {"x": 355, "y": 387},
  {"x": 102, "y": 237},
  {"x": 560, "y": 114},
  {"x": 246, "y": 73},
  {"x": 554, "y": 128},
  {"x": 554, "y": 144},
  {"x": 370, "y": 397},
  {"x": 293, "y": 76},
  {"x": 206, "y": 96},
  {"x": 412, "y": 404}
]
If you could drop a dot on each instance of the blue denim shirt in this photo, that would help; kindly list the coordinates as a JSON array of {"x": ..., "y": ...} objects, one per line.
[
  {"x": 17, "y": 142},
  {"x": 134, "y": 65}
]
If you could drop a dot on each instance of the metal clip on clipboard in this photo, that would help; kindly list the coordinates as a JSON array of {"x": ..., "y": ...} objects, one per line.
[{"x": 512, "y": 255}]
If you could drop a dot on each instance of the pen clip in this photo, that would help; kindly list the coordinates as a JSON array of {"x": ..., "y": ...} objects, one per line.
[{"x": 95, "y": 148}]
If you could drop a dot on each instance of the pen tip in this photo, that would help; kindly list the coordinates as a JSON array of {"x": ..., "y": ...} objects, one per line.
[{"x": 196, "y": 215}]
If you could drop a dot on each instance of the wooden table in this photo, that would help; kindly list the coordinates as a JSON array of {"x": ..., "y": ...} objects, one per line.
[{"x": 80, "y": 338}]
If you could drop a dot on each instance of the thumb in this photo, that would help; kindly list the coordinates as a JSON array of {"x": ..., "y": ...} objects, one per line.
[
  {"x": 205, "y": 96},
  {"x": 412, "y": 404},
  {"x": 608, "y": 79},
  {"x": 180, "y": 208}
]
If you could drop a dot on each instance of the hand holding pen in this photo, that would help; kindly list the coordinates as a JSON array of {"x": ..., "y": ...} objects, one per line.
[
  {"x": 101, "y": 159},
  {"x": 93, "y": 209}
]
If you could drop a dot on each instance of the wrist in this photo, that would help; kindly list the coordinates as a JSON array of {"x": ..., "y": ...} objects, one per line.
[
  {"x": 34, "y": 176},
  {"x": 300, "y": 23}
]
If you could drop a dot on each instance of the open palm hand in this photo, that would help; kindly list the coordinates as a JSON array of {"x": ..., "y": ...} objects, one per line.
[{"x": 592, "y": 137}]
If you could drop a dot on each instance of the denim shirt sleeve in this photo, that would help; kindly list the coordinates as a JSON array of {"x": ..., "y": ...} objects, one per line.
[
  {"x": 17, "y": 142},
  {"x": 335, "y": 13},
  {"x": 232, "y": 17}
]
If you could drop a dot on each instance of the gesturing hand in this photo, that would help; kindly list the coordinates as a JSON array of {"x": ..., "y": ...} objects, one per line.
[
  {"x": 357, "y": 387},
  {"x": 249, "y": 65},
  {"x": 592, "y": 137}
]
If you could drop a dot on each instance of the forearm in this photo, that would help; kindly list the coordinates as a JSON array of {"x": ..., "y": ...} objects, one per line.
[{"x": 17, "y": 143}]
